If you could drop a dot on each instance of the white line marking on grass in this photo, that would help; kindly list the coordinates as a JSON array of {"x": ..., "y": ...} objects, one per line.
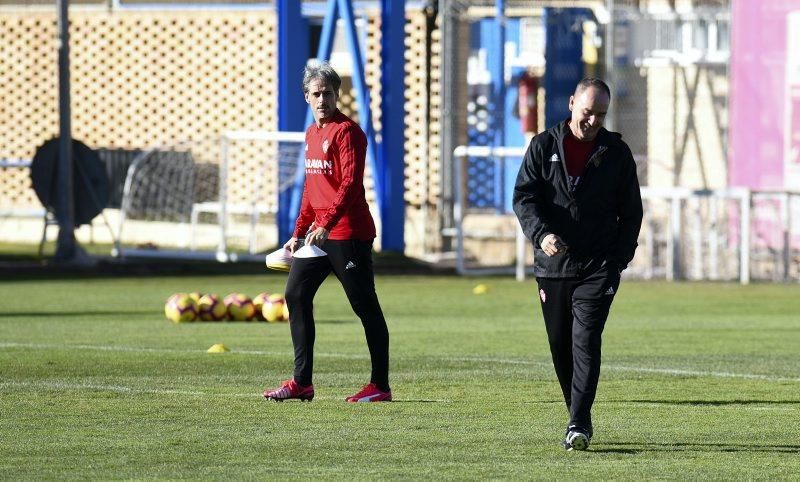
[
  {"x": 671, "y": 371},
  {"x": 663, "y": 371},
  {"x": 132, "y": 349},
  {"x": 59, "y": 385},
  {"x": 738, "y": 407},
  {"x": 43, "y": 346},
  {"x": 507, "y": 361}
]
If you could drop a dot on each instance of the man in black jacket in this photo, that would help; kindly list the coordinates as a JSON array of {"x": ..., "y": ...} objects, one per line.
[{"x": 577, "y": 199}]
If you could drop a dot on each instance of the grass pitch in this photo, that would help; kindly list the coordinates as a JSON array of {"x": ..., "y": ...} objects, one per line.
[{"x": 699, "y": 381}]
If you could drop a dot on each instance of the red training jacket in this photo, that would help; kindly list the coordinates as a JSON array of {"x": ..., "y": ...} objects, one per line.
[{"x": 333, "y": 193}]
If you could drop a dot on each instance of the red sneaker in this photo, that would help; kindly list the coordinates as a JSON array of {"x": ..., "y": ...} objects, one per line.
[
  {"x": 370, "y": 393},
  {"x": 288, "y": 390}
]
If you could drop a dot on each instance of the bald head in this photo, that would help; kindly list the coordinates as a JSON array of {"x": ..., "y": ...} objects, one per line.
[{"x": 592, "y": 82}]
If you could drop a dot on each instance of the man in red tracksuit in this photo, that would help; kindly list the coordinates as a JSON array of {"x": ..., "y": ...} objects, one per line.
[{"x": 334, "y": 215}]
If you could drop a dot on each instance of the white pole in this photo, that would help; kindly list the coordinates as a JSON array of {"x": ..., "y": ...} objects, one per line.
[
  {"x": 787, "y": 242},
  {"x": 649, "y": 241},
  {"x": 744, "y": 241},
  {"x": 674, "y": 267},
  {"x": 713, "y": 238},
  {"x": 697, "y": 237},
  {"x": 521, "y": 242},
  {"x": 670, "y": 267},
  {"x": 789, "y": 224},
  {"x": 458, "y": 215},
  {"x": 222, "y": 248}
]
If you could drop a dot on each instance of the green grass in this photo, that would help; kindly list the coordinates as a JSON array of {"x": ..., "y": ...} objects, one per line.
[{"x": 699, "y": 381}]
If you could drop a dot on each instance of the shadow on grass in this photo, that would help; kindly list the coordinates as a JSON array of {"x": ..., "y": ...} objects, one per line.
[
  {"x": 334, "y": 322},
  {"x": 615, "y": 451},
  {"x": 712, "y": 403},
  {"x": 16, "y": 314},
  {"x": 625, "y": 447},
  {"x": 18, "y": 263}
]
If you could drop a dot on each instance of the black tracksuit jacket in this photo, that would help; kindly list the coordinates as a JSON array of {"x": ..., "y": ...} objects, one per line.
[{"x": 599, "y": 221}]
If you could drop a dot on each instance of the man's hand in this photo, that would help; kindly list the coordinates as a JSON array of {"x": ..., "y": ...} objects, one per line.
[
  {"x": 552, "y": 245},
  {"x": 318, "y": 236},
  {"x": 291, "y": 245}
]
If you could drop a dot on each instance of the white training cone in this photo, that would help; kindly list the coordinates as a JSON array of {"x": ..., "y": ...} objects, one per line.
[
  {"x": 280, "y": 260},
  {"x": 309, "y": 251}
]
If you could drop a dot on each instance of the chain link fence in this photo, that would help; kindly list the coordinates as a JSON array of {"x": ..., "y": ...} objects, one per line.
[{"x": 669, "y": 74}]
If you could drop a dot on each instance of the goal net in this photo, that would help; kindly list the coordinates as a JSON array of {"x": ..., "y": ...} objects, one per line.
[
  {"x": 488, "y": 239},
  {"x": 208, "y": 199}
]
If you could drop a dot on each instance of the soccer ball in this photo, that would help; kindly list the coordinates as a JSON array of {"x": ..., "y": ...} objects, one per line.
[
  {"x": 240, "y": 307},
  {"x": 179, "y": 308},
  {"x": 275, "y": 309},
  {"x": 258, "y": 302},
  {"x": 210, "y": 308},
  {"x": 195, "y": 296}
]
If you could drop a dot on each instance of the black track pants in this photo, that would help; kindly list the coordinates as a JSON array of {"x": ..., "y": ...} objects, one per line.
[
  {"x": 575, "y": 312},
  {"x": 351, "y": 262}
]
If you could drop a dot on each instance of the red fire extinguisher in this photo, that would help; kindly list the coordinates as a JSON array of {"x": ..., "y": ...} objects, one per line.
[{"x": 526, "y": 103}]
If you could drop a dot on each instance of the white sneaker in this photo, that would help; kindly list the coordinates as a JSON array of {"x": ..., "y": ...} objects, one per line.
[{"x": 576, "y": 439}]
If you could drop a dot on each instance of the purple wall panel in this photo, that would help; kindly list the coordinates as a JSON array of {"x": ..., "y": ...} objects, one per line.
[{"x": 758, "y": 103}]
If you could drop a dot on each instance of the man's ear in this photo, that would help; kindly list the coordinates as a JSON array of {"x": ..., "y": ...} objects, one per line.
[{"x": 571, "y": 102}]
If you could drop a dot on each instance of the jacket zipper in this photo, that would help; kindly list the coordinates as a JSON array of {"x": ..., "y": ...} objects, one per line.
[{"x": 599, "y": 151}]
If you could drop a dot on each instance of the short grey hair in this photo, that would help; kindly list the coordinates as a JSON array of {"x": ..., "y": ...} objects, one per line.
[{"x": 321, "y": 71}]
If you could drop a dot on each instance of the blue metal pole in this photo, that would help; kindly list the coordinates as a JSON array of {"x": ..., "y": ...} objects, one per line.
[
  {"x": 292, "y": 56},
  {"x": 391, "y": 166},
  {"x": 362, "y": 90},
  {"x": 328, "y": 33},
  {"x": 345, "y": 9},
  {"x": 498, "y": 78},
  {"x": 323, "y": 53}
]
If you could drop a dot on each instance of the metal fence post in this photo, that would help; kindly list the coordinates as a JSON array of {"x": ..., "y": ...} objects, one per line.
[{"x": 744, "y": 242}]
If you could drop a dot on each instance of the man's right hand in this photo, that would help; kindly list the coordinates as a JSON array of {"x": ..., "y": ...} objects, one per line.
[
  {"x": 552, "y": 245},
  {"x": 291, "y": 245}
]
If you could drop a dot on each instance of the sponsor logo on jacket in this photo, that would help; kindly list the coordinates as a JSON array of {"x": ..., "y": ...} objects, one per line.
[{"x": 319, "y": 166}]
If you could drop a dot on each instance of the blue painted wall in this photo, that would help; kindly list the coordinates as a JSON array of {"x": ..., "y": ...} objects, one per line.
[
  {"x": 563, "y": 59},
  {"x": 492, "y": 121}
]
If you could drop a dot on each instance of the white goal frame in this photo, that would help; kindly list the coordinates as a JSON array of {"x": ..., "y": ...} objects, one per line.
[
  {"x": 221, "y": 207},
  {"x": 461, "y": 154}
]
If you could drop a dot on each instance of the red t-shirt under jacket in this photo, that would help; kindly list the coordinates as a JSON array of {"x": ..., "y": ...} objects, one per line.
[{"x": 577, "y": 154}]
